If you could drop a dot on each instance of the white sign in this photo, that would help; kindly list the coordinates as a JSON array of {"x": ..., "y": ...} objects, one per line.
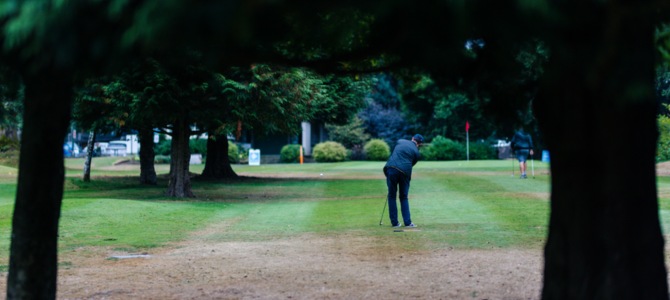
[
  {"x": 254, "y": 157},
  {"x": 196, "y": 159},
  {"x": 156, "y": 138}
]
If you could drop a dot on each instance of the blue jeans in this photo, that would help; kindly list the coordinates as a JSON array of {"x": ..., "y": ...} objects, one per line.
[{"x": 395, "y": 179}]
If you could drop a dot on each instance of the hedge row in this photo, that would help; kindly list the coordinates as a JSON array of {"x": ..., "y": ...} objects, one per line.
[{"x": 441, "y": 148}]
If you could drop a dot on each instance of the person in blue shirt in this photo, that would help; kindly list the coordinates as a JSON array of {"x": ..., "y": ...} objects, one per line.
[
  {"x": 398, "y": 171},
  {"x": 522, "y": 144}
]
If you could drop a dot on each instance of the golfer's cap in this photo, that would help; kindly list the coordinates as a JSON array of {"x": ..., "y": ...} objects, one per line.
[{"x": 418, "y": 138}]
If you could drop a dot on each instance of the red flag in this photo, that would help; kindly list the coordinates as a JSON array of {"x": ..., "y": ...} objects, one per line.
[{"x": 467, "y": 126}]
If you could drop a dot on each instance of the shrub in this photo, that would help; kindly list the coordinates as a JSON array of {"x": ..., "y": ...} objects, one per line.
[
  {"x": 427, "y": 153},
  {"x": 482, "y": 150},
  {"x": 8, "y": 144},
  {"x": 663, "y": 149},
  {"x": 377, "y": 150},
  {"x": 290, "y": 153},
  {"x": 164, "y": 147},
  {"x": 350, "y": 134},
  {"x": 10, "y": 158},
  {"x": 233, "y": 152},
  {"x": 198, "y": 146},
  {"x": 443, "y": 148},
  {"x": 356, "y": 153},
  {"x": 162, "y": 159},
  {"x": 329, "y": 152}
]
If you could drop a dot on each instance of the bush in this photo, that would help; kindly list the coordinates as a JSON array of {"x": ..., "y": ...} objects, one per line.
[
  {"x": 162, "y": 159},
  {"x": 8, "y": 144},
  {"x": 233, "y": 153},
  {"x": 290, "y": 153},
  {"x": 10, "y": 158},
  {"x": 442, "y": 148},
  {"x": 356, "y": 153},
  {"x": 164, "y": 147},
  {"x": 377, "y": 150},
  {"x": 427, "y": 153},
  {"x": 329, "y": 152},
  {"x": 198, "y": 146},
  {"x": 350, "y": 134},
  {"x": 479, "y": 150}
]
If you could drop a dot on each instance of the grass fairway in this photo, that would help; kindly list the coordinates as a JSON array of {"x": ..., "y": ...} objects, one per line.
[
  {"x": 285, "y": 230},
  {"x": 456, "y": 204}
]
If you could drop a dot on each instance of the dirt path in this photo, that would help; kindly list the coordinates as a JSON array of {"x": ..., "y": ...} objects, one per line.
[{"x": 303, "y": 267}]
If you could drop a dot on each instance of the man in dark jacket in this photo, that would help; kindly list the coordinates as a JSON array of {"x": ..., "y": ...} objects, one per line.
[
  {"x": 398, "y": 171},
  {"x": 522, "y": 144}
]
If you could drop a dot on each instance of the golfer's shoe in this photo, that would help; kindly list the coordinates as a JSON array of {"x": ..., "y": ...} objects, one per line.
[
  {"x": 410, "y": 225},
  {"x": 397, "y": 225},
  {"x": 523, "y": 177}
]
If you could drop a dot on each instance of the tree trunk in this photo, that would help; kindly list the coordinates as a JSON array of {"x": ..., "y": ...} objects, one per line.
[
  {"x": 180, "y": 182},
  {"x": 217, "y": 165},
  {"x": 33, "y": 257},
  {"x": 147, "y": 155},
  {"x": 598, "y": 101},
  {"x": 89, "y": 156}
]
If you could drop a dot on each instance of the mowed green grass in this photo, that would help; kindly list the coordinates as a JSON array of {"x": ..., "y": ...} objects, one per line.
[{"x": 456, "y": 204}]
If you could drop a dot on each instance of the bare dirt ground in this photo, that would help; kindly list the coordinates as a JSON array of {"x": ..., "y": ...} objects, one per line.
[
  {"x": 307, "y": 266},
  {"x": 663, "y": 169}
]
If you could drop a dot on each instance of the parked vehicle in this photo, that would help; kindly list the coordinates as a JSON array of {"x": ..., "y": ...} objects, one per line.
[{"x": 69, "y": 151}]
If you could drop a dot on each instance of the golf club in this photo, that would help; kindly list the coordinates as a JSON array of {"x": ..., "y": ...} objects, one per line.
[
  {"x": 512, "y": 166},
  {"x": 383, "y": 210},
  {"x": 532, "y": 165}
]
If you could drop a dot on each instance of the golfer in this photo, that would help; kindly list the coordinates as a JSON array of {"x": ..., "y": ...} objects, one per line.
[
  {"x": 398, "y": 171},
  {"x": 522, "y": 144}
]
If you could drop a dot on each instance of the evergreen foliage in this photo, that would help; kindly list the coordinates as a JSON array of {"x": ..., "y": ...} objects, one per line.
[
  {"x": 198, "y": 146},
  {"x": 384, "y": 123},
  {"x": 233, "y": 153},
  {"x": 329, "y": 152},
  {"x": 350, "y": 134},
  {"x": 163, "y": 147},
  {"x": 377, "y": 149},
  {"x": 442, "y": 148},
  {"x": 482, "y": 150},
  {"x": 290, "y": 153},
  {"x": 356, "y": 153},
  {"x": 663, "y": 149},
  {"x": 11, "y": 103}
]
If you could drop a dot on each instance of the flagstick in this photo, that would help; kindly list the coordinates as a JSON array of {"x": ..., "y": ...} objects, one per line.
[{"x": 467, "y": 144}]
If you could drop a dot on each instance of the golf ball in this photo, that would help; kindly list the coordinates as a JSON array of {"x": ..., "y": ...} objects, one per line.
[{"x": 321, "y": 175}]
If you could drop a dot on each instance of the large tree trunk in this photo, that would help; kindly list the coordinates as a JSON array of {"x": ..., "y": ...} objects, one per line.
[
  {"x": 33, "y": 257},
  {"x": 147, "y": 155},
  {"x": 180, "y": 182},
  {"x": 217, "y": 165},
  {"x": 598, "y": 102},
  {"x": 89, "y": 156}
]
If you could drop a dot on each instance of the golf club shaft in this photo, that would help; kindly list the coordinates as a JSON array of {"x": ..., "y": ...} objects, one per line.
[
  {"x": 383, "y": 210},
  {"x": 532, "y": 165}
]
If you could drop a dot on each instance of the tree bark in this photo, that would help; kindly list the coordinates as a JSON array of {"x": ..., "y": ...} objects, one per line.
[
  {"x": 605, "y": 238},
  {"x": 89, "y": 156},
  {"x": 217, "y": 165},
  {"x": 147, "y": 155},
  {"x": 33, "y": 252},
  {"x": 180, "y": 182}
]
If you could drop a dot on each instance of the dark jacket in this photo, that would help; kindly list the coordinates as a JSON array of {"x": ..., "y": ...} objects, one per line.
[
  {"x": 522, "y": 140},
  {"x": 404, "y": 156}
]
